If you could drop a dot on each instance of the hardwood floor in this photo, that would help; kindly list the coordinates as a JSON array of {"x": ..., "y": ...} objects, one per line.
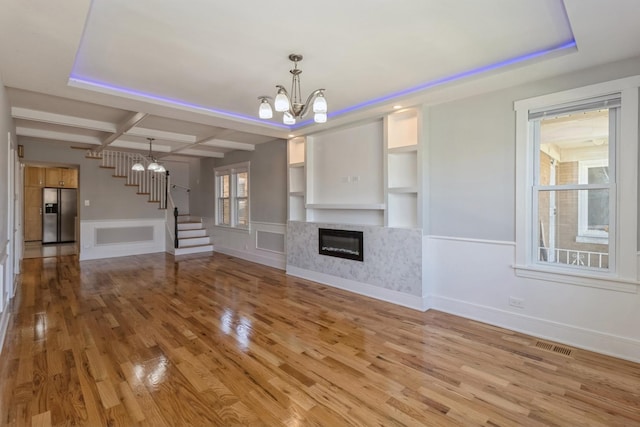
[
  {"x": 215, "y": 340},
  {"x": 37, "y": 250}
]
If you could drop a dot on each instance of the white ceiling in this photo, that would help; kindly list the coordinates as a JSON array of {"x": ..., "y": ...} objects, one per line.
[{"x": 114, "y": 72}]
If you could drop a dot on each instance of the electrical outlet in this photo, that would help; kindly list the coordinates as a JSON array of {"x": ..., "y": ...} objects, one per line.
[{"x": 516, "y": 302}]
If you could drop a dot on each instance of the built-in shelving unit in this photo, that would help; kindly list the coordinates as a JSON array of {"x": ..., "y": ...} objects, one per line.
[
  {"x": 296, "y": 178},
  {"x": 365, "y": 174},
  {"x": 402, "y": 146}
]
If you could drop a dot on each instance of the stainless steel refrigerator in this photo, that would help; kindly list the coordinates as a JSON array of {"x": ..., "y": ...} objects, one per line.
[{"x": 59, "y": 218}]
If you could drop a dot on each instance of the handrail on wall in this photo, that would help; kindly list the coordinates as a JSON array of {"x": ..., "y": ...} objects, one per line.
[{"x": 187, "y": 189}]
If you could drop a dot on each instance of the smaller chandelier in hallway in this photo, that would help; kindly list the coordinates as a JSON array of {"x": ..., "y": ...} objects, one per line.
[{"x": 153, "y": 165}]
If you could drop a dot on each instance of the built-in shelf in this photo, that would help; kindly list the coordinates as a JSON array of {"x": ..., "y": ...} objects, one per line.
[
  {"x": 399, "y": 190},
  {"x": 296, "y": 178},
  {"x": 350, "y": 206},
  {"x": 403, "y": 137},
  {"x": 376, "y": 161}
]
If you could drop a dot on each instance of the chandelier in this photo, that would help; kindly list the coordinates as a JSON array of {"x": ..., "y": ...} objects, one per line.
[
  {"x": 291, "y": 105},
  {"x": 153, "y": 165}
]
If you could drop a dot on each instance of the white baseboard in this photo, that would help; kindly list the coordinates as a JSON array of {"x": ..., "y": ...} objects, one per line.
[
  {"x": 388, "y": 295},
  {"x": 276, "y": 260},
  {"x": 4, "y": 324},
  {"x": 616, "y": 346}
]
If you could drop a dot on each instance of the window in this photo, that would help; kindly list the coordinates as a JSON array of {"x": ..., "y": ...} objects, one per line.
[
  {"x": 576, "y": 155},
  {"x": 573, "y": 149},
  {"x": 232, "y": 195}
]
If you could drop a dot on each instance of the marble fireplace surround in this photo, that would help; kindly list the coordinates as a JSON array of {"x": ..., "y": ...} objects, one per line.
[{"x": 391, "y": 270}]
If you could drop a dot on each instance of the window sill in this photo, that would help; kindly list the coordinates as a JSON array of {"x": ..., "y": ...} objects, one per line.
[
  {"x": 244, "y": 230},
  {"x": 605, "y": 281},
  {"x": 592, "y": 239}
]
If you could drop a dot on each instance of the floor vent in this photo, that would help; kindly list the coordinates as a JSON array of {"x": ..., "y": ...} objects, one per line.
[{"x": 555, "y": 348}]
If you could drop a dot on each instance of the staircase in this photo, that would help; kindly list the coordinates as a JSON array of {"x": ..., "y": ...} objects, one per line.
[
  {"x": 147, "y": 183},
  {"x": 192, "y": 235}
]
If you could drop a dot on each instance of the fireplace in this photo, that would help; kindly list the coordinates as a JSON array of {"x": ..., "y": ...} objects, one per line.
[{"x": 341, "y": 243}]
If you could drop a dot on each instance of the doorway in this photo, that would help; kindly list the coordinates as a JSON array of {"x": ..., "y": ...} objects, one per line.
[{"x": 37, "y": 180}]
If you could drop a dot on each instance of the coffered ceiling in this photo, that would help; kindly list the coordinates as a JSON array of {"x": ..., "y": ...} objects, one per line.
[{"x": 111, "y": 73}]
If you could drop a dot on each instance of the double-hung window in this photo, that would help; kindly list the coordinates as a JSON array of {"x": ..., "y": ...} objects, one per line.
[
  {"x": 574, "y": 178},
  {"x": 576, "y": 185},
  {"x": 232, "y": 195}
]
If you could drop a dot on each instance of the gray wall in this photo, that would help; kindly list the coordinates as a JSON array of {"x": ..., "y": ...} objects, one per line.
[
  {"x": 179, "y": 175},
  {"x": 471, "y": 152},
  {"x": 108, "y": 196},
  {"x": 268, "y": 182}
]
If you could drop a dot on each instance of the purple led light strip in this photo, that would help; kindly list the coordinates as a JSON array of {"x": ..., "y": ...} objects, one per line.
[{"x": 379, "y": 100}]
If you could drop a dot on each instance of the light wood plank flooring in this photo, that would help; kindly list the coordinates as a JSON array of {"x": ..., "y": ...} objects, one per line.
[{"x": 215, "y": 340}]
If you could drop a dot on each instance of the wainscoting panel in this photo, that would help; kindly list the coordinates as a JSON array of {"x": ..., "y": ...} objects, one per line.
[
  {"x": 5, "y": 293},
  {"x": 269, "y": 241},
  {"x": 476, "y": 279},
  {"x": 262, "y": 243},
  {"x": 114, "y": 238}
]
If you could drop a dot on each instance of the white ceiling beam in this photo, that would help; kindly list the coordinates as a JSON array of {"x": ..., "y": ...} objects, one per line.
[
  {"x": 161, "y": 134},
  {"x": 123, "y": 127},
  {"x": 58, "y": 136},
  {"x": 194, "y": 144},
  {"x": 221, "y": 143},
  {"x": 61, "y": 119},
  {"x": 143, "y": 146},
  {"x": 201, "y": 153}
]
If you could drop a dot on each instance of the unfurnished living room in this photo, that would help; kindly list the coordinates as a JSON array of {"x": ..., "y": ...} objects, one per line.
[{"x": 389, "y": 213}]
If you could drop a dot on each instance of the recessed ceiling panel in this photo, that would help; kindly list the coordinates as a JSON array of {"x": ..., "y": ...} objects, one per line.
[{"x": 222, "y": 55}]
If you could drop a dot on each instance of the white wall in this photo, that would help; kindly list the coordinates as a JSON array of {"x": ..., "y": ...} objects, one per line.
[
  {"x": 470, "y": 248},
  {"x": 8, "y": 253},
  {"x": 347, "y": 165}
]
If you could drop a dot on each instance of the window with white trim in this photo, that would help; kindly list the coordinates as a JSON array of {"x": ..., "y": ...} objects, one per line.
[
  {"x": 574, "y": 147},
  {"x": 576, "y": 185},
  {"x": 232, "y": 195}
]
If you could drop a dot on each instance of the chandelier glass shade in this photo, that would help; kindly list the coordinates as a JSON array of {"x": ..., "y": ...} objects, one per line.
[
  {"x": 153, "y": 165},
  {"x": 290, "y": 104}
]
